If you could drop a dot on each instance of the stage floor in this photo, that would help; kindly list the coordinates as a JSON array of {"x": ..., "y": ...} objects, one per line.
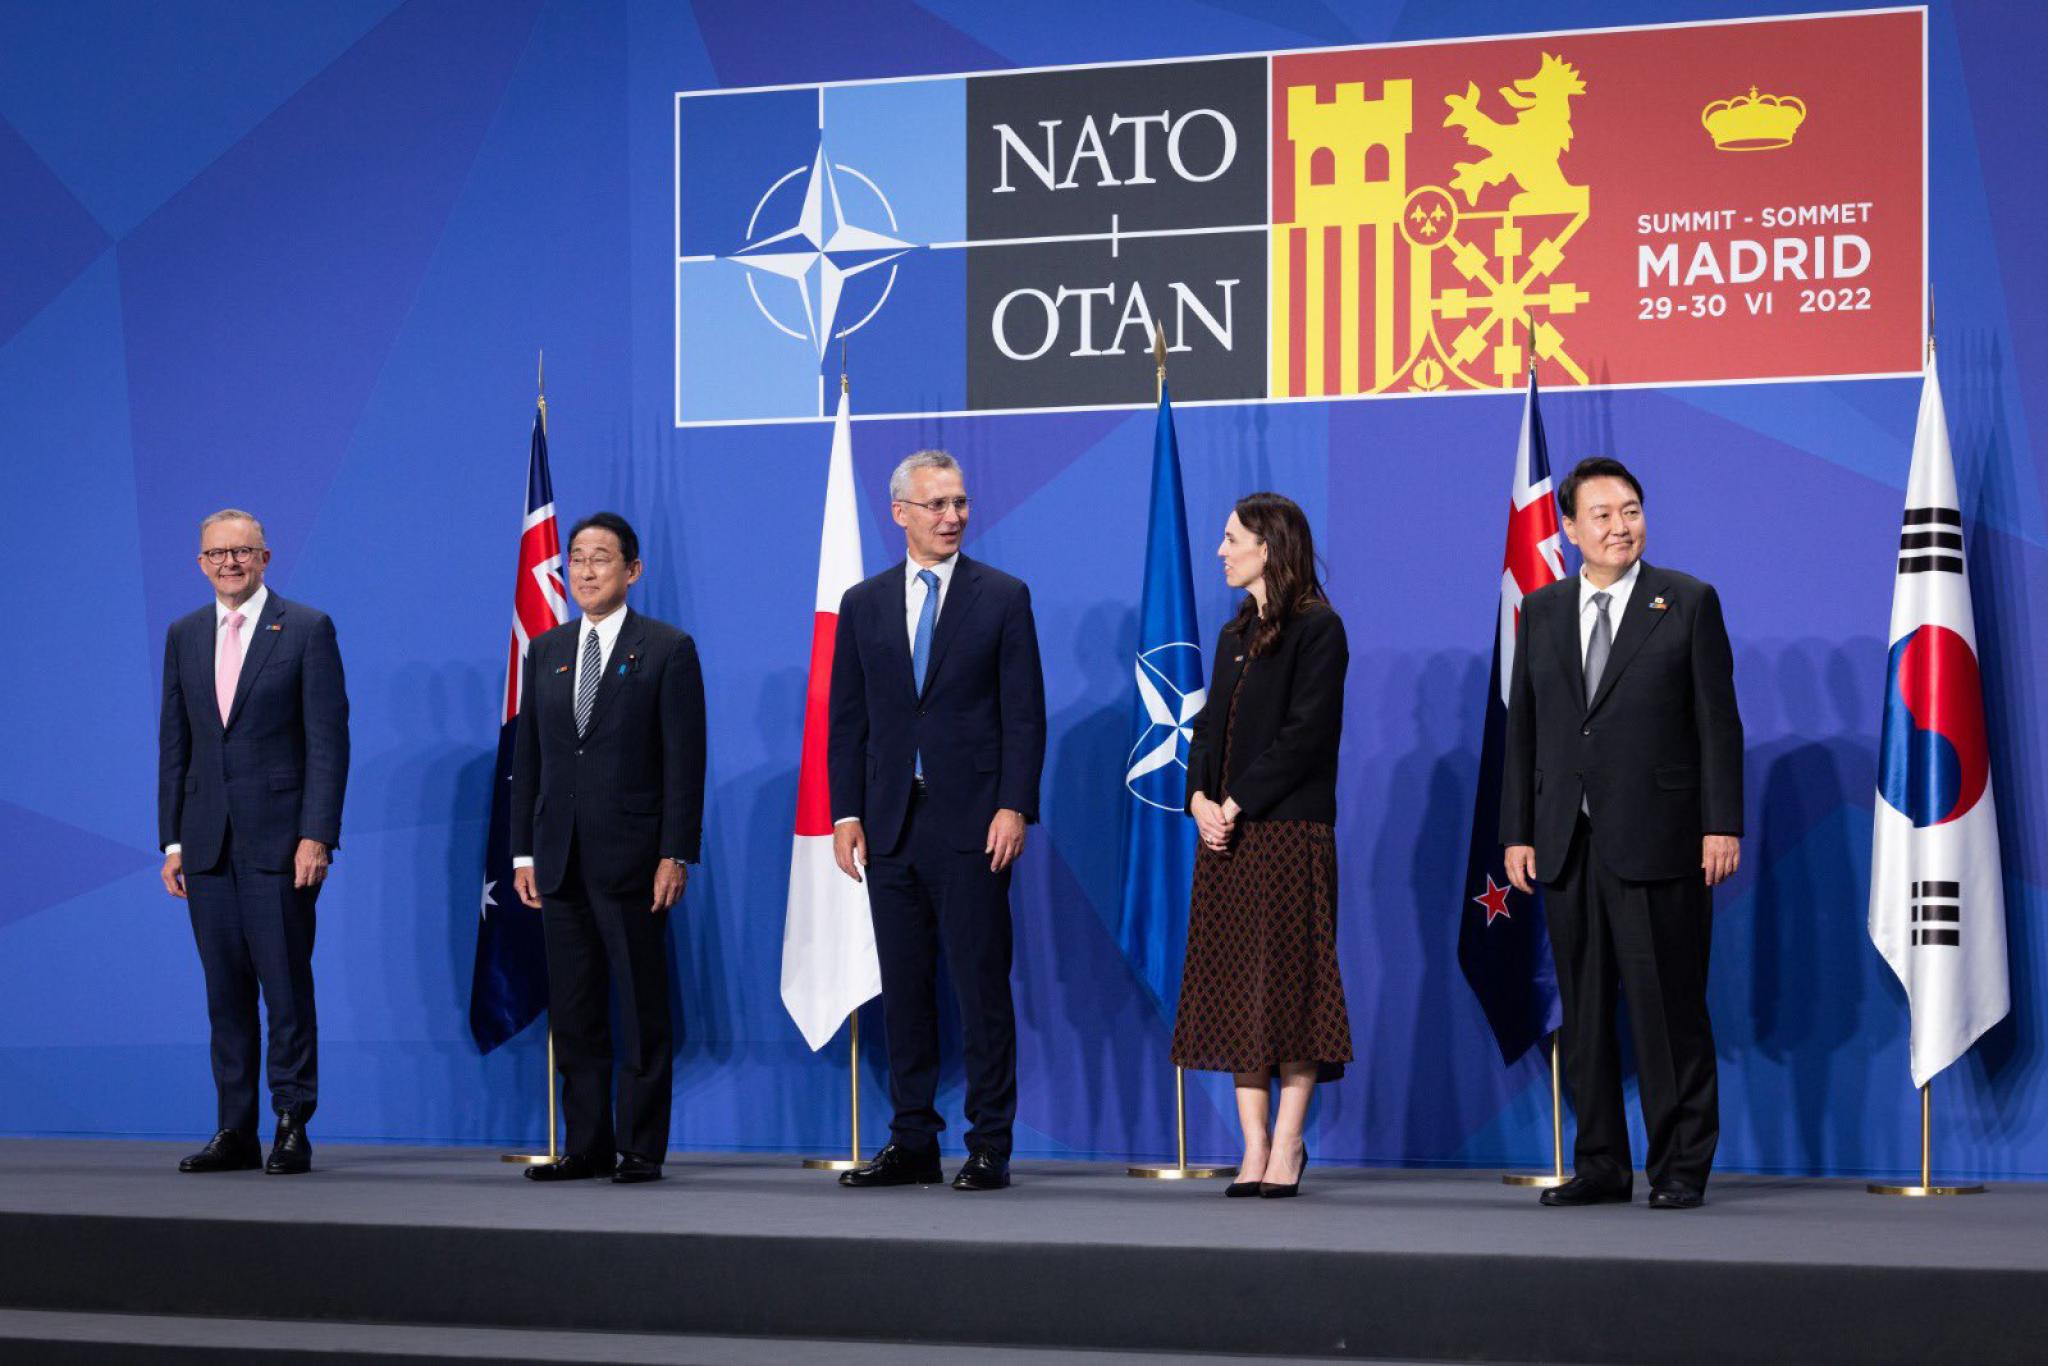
[
  {"x": 1342, "y": 1209},
  {"x": 1074, "y": 1257}
]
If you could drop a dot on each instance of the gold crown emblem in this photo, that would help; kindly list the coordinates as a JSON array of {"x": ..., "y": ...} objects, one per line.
[{"x": 1753, "y": 122}]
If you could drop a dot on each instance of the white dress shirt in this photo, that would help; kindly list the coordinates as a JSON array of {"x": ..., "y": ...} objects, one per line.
[
  {"x": 607, "y": 633},
  {"x": 1619, "y": 591},
  {"x": 252, "y": 612},
  {"x": 913, "y": 607},
  {"x": 913, "y": 597},
  {"x": 1589, "y": 613}
]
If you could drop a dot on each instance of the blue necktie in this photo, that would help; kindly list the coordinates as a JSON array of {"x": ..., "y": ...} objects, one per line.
[{"x": 921, "y": 645}]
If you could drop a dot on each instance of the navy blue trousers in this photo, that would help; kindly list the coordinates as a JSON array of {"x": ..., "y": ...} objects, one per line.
[
  {"x": 255, "y": 936},
  {"x": 926, "y": 895}
]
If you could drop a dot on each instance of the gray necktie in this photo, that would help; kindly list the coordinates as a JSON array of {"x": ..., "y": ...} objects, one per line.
[
  {"x": 586, "y": 682},
  {"x": 1600, "y": 646}
]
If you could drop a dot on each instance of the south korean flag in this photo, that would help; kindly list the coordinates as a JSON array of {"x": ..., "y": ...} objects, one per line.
[{"x": 1937, "y": 901}]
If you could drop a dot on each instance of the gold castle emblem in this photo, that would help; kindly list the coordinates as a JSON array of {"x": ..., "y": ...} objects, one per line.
[
  {"x": 1385, "y": 285},
  {"x": 1753, "y": 122}
]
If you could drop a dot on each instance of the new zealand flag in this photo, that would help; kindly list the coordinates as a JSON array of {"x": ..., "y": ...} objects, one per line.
[{"x": 1503, "y": 944}]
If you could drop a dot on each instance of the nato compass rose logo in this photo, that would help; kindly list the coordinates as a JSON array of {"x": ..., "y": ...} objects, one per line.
[
  {"x": 1171, "y": 689},
  {"x": 809, "y": 263}
]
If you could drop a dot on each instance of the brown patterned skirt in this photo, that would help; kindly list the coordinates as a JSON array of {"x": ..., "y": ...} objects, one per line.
[{"x": 1261, "y": 986}]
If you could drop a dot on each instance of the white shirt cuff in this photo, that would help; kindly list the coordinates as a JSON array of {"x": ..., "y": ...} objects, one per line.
[
  {"x": 170, "y": 849},
  {"x": 843, "y": 820},
  {"x": 522, "y": 862}
]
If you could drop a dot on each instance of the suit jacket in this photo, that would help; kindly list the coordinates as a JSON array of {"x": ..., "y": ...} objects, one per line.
[
  {"x": 1283, "y": 748},
  {"x": 276, "y": 771},
  {"x": 631, "y": 792},
  {"x": 980, "y": 721},
  {"x": 1657, "y": 756}
]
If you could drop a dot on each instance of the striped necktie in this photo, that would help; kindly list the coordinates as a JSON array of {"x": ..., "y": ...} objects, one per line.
[{"x": 586, "y": 681}]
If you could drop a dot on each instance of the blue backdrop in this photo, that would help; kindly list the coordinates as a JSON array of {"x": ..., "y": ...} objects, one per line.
[{"x": 299, "y": 258}]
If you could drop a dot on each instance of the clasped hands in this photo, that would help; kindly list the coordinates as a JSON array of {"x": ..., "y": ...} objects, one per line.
[
  {"x": 1215, "y": 822},
  {"x": 1005, "y": 841}
]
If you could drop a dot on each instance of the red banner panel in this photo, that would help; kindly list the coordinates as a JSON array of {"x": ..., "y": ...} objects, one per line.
[{"x": 1710, "y": 202}]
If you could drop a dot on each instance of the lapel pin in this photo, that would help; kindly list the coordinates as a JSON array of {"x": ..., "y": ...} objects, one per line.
[
  {"x": 275, "y": 626},
  {"x": 1657, "y": 604},
  {"x": 562, "y": 669},
  {"x": 1237, "y": 659}
]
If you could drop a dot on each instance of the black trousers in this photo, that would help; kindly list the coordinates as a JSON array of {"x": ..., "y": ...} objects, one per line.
[
  {"x": 1650, "y": 939},
  {"x": 927, "y": 896},
  {"x": 599, "y": 945},
  {"x": 255, "y": 935}
]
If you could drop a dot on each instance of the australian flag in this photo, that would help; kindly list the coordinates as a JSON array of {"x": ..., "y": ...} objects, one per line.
[
  {"x": 1159, "y": 839},
  {"x": 1503, "y": 944},
  {"x": 511, "y": 983}
]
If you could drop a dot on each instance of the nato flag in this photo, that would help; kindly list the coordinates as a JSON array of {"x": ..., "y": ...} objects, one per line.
[{"x": 1159, "y": 838}]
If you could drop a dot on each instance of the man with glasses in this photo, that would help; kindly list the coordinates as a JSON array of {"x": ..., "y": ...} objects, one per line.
[
  {"x": 253, "y": 762},
  {"x": 607, "y": 812},
  {"x": 937, "y": 739}
]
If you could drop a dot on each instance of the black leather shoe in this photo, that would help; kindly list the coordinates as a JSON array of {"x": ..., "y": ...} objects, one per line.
[
  {"x": 230, "y": 1150},
  {"x": 292, "y": 1153},
  {"x": 573, "y": 1167},
  {"x": 896, "y": 1165},
  {"x": 1239, "y": 1190},
  {"x": 1583, "y": 1191},
  {"x": 634, "y": 1169},
  {"x": 1274, "y": 1190},
  {"x": 1672, "y": 1195},
  {"x": 983, "y": 1171}
]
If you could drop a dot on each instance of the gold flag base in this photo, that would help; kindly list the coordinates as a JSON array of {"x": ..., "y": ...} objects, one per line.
[
  {"x": 1178, "y": 1170},
  {"x": 1547, "y": 1181},
  {"x": 553, "y": 1154},
  {"x": 831, "y": 1164},
  {"x": 1886, "y": 1188},
  {"x": 1173, "y": 1171},
  {"x": 1925, "y": 1186}
]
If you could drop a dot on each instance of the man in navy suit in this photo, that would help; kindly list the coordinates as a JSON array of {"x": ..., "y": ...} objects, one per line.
[
  {"x": 607, "y": 810},
  {"x": 937, "y": 739},
  {"x": 254, "y": 759},
  {"x": 1622, "y": 794}
]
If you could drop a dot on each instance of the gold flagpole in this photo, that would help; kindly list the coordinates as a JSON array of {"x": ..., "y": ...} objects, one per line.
[
  {"x": 1926, "y": 1186},
  {"x": 843, "y": 1164},
  {"x": 554, "y": 1152},
  {"x": 1555, "y": 1177},
  {"x": 1180, "y": 1170}
]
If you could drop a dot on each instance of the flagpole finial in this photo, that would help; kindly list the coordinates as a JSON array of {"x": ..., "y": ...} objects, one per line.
[
  {"x": 1159, "y": 356},
  {"x": 842, "y": 362},
  {"x": 540, "y": 371},
  {"x": 1930, "y": 320}
]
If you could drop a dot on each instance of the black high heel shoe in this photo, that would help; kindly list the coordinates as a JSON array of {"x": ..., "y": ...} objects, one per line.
[
  {"x": 1273, "y": 1190},
  {"x": 1238, "y": 1190}
]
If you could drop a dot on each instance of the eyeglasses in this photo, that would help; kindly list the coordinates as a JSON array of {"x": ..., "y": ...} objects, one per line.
[
  {"x": 938, "y": 507},
  {"x": 597, "y": 562},
  {"x": 241, "y": 554}
]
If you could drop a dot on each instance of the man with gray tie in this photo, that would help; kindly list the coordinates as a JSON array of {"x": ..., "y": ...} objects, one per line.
[{"x": 1621, "y": 792}]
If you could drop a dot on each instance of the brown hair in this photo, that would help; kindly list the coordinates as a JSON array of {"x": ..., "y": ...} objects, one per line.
[{"x": 1291, "y": 582}]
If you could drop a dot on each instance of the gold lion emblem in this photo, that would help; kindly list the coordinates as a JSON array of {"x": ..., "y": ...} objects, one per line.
[{"x": 1527, "y": 150}]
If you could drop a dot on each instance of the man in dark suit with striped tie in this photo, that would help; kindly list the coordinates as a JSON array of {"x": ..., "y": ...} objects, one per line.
[
  {"x": 253, "y": 763},
  {"x": 607, "y": 810}
]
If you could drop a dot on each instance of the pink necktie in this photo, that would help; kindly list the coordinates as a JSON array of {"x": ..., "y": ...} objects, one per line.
[{"x": 227, "y": 669}]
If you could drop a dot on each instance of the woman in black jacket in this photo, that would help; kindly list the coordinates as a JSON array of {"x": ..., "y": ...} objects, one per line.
[{"x": 1260, "y": 994}]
